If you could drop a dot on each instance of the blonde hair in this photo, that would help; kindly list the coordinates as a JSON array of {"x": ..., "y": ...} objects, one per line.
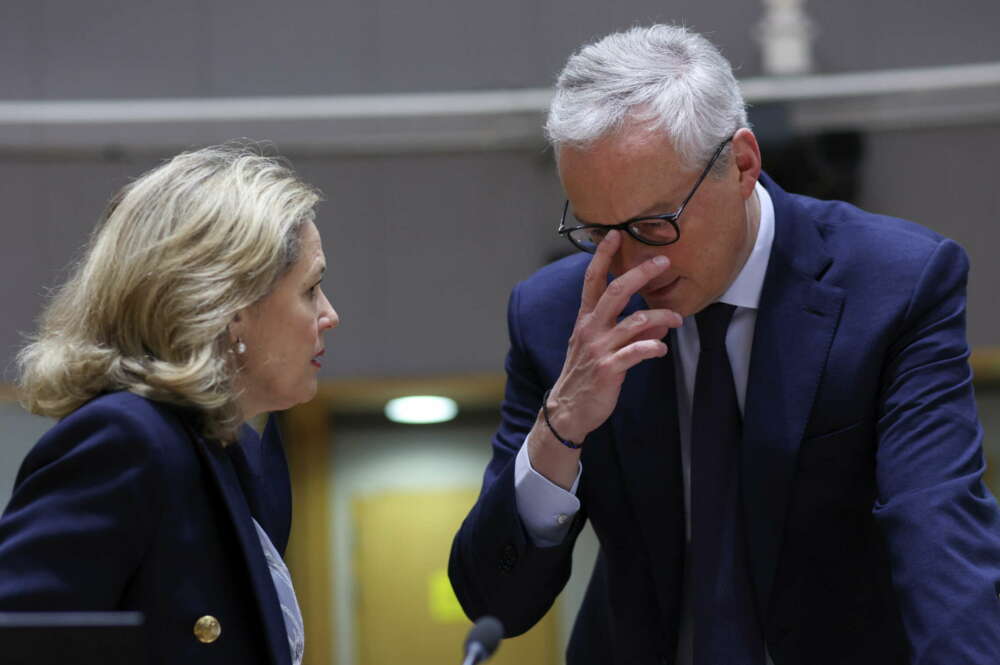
[{"x": 177, "y": 254}]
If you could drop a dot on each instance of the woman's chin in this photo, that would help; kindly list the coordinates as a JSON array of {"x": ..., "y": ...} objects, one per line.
[{"x": 309, "y": 390}]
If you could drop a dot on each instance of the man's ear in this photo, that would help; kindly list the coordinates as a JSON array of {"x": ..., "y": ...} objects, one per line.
[{"x": 746, "y": 156}]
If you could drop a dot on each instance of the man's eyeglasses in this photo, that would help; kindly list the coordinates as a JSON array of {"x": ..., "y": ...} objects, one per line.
[{"x": 651, "y": 230}]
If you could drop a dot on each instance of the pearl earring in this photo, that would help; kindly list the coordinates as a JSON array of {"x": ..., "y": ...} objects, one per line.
[{"x": 241, "y": 348}]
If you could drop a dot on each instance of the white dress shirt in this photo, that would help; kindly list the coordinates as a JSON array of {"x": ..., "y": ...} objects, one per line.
[{"x": 547, "y": 510}]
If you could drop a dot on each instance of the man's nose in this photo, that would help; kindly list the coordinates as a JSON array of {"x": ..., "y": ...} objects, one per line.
[{"x": 631, "y": 253}]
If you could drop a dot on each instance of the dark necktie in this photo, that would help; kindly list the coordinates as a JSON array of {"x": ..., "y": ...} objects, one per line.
[{"x": 726, "y": 629}]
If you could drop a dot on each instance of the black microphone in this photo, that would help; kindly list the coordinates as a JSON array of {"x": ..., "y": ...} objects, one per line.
[{"x": 483, "y": 640}]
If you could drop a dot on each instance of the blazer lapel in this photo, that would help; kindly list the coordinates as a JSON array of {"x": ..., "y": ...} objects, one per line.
[
  {"x": 263, "y": 474},
  {"x": 647, "y": 443},
  {"x": 228, "y": 483},
  {"x": 796, "y": 322}
]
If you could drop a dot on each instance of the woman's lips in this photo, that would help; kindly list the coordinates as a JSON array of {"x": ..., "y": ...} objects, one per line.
[{"x": 315, "y": 359}]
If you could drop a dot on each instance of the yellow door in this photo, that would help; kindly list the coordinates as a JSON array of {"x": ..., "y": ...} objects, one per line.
[{"x": 406, "y": 610}]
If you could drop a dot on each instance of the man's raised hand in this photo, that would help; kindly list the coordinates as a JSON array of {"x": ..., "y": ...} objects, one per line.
[{"x": 601, "y": 350}]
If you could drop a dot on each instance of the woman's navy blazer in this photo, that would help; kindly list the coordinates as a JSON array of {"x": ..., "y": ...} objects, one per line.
[{"x": 123, "y": 506}]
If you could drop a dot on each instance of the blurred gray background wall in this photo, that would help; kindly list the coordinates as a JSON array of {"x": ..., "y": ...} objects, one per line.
[{"x": 426, "y": 239}]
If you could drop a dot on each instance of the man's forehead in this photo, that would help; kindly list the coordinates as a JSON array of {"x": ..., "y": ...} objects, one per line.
[
  {"x": 624, "y": 147},
  {"x": 622, "y": 176}
]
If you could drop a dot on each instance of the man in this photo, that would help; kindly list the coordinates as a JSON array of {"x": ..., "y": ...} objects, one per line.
[{"x": 767, "y": 415}]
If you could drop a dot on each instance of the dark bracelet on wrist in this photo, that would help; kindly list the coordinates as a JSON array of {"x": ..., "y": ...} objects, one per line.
[{"x": 545, "y": 413}]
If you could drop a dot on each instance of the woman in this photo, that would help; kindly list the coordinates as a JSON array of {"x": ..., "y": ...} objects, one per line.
[{"x": 196, "y": 307}]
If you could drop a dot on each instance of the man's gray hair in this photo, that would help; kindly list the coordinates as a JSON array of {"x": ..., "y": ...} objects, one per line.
[{"x": 664, "y": 78}]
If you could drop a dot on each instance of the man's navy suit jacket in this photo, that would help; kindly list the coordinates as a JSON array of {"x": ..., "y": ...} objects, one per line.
[
  {"x": 872, "y": 538},
  {"x": 123, "y": 506}
]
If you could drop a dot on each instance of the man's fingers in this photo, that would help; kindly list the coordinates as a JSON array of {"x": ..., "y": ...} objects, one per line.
[
  {"x": 633, "y": 354},
  {"x": 644, "y": 324},
  {"x": 618, "y": 292},
  {"x": 596, "y": 278}
]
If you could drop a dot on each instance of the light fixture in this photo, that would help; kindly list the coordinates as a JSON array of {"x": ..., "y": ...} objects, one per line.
[{"x": 421, "y": 409}]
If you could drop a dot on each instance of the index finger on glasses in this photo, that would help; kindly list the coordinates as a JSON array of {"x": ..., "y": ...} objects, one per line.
[{"x": 596, "y": 279}]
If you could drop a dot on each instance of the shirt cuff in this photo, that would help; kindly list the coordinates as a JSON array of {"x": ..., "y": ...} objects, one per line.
[{"x": 546, "y": 509}]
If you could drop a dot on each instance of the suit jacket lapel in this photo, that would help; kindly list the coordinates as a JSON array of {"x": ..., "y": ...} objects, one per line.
[
  {"x": 263, "y": 474},
  {"x": 796, "y": 322},
  {"x": 228, "y": 483},
  {"x": 647, "y": 443}
]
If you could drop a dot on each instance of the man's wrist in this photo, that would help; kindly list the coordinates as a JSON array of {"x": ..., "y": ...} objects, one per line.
[
  {"x": 549, "y": 457},
  {"x": 561, "y": 421},
  {"x": 569, "y": 443}
]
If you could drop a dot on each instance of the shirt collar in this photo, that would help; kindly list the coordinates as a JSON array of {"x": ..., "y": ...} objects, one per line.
[{"x": 745, "y": 289}]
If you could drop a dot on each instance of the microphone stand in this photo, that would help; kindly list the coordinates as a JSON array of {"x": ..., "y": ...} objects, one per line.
[{"x": 476, "y": 654}]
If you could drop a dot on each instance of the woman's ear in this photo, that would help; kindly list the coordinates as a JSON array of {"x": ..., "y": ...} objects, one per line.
[{"x": 236, "y": 327}]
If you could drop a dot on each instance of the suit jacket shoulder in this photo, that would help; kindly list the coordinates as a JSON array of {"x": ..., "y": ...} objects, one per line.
[{"x": 122, "y": 506}]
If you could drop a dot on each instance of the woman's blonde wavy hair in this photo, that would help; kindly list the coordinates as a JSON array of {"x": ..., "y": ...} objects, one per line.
[{"x": 178, "y": 253}]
